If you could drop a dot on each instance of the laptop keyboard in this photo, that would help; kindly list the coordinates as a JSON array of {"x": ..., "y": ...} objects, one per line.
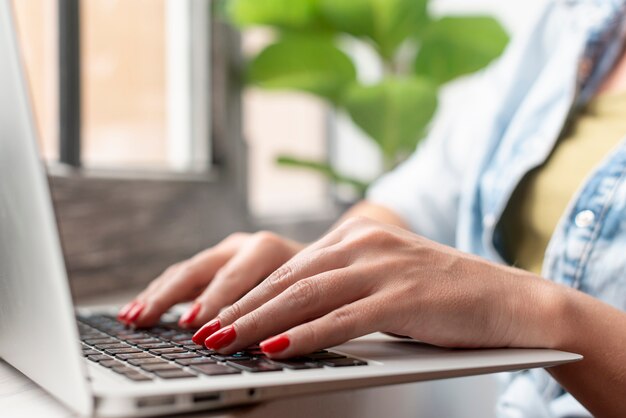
[{"x": 167, "y": 352}]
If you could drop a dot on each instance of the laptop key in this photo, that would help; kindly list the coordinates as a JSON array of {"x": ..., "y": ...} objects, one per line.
[
  {"x": 150, "y": 360},
  {"x": 174, "y": 374},
  {"x": 297, "y": 364},
  {"x": 181, "y": 338},
  {"x": 214, "y": 369},
  {"x": 194, "y": 361},
  {"x": 98, "y": 357},
  {"x": 90, "y": 352},
  {"x": 161, "y": 351},
  {"x": 131, "y": 335},
  {"x": 137, "y": 377},
  {"x": 155, "y": 345},
  {"x": 233, "y": 357},
  {"x": 343, "y": 362},
  {"x": 111, "y": 363},
  {"x": 159, "y": 367},
  {"x": 174, "y": 356},
  {"x": 206, "y": 352},
  {"x": 95, "y": 341},
  {"x": 141, "y": 354},
  {"x": 255, "y": 366},
  {"x": 127, "y": 350},
  {"x": 143, "y": 340},
  {"x": 194, "y": 347},
  {"x": 123, "y": 369},
  {"x": 105, "y": 346}
]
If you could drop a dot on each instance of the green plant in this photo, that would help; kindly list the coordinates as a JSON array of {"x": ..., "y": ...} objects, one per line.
[{"x": 419, "y": 54}]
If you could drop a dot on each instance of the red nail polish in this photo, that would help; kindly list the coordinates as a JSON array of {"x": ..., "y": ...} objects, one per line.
[
  {"x": 190, "y": 315},
  {"x": 208, "y": 329},
  {"x": 221, "y": 338},
  {"x": 275, "y": 344},
  {"x": 134, "y": 312},
  {"x": 125, "y": 310}
]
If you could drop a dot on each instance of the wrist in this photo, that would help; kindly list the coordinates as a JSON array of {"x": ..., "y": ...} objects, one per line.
[{"x": 541, "y": 314}]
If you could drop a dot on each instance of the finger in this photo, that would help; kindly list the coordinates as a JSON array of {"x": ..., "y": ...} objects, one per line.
[
  {"x": 131, "y": 309},
  {"x": 306, "y": 264},
  {"x": 308, "y": 298},
  {"x": 185, "y": 283},
  {"x": 350, "y": 321},
  {"x": 258, "y": 258}
]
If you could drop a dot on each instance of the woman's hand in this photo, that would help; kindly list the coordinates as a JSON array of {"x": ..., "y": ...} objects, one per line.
[
  {"x": 215, "y": 278},
  {"x": 367, "y": 276}
]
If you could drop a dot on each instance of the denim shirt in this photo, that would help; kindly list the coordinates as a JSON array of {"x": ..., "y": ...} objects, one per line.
[{"x": 455, "y": 187}]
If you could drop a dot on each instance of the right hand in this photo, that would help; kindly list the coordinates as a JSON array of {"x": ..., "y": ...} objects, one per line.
[{"x": 214, "y": 278}]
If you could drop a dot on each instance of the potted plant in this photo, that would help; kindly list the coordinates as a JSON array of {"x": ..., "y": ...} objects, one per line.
[{"x": 419, "y": 54}]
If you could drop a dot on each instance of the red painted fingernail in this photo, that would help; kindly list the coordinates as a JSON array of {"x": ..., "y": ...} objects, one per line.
[
  {"x": 208, "y": 329},
  {"x": 221, "y": 338},
  {"x": 124, "y": 311},
  {"x": 134, "y": 312},
  {"x": 190, "y": 315},
  {"x": 275, "y": 344}
]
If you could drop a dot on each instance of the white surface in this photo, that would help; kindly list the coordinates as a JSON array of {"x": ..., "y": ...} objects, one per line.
[{"x": 467, "y": 397}]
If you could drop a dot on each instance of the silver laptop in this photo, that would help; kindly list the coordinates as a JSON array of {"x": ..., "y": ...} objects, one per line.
[{"x": 96, "y": 366}]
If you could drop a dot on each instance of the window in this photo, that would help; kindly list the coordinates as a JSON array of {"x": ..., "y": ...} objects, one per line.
[
  {"x": 141, "y": 126},
  {"x": 135, "y": 78}
]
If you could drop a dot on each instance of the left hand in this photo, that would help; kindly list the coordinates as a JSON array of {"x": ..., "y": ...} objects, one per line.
[{"x": 366, "y": 276}]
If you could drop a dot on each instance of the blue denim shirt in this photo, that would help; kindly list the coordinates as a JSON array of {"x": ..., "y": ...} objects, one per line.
[{"x": 456, "y": 186}]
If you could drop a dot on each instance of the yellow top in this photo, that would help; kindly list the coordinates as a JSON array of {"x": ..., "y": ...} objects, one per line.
[{"x": 543, "y": 195}]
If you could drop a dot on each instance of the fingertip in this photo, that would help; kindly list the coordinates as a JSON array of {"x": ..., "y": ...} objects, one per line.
[
  {"x": 205, "y": 331},
  {"x": 189, "y": 317},
  {"x": 134, "y": 312},
  {"x": 220, "y": 339},
  {"x": 275, "y": 344},
  {"x": 123, "y": 313}
]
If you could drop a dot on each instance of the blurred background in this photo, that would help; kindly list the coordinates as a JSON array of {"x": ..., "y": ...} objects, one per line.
[{"x": 137, "y": 65}]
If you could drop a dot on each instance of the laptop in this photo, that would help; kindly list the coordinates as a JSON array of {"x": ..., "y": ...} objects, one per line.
[{"x": 97, "y": 366}]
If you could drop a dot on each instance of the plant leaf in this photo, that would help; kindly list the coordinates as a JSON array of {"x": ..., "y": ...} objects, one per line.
[
  {"x": 311, "y": 64},
  {"x": 387, "y": 23},
  {"x": 284, "y": 14},
  {"x": 324, "y": 169},
  {"x": 454, "y": 46},
  {"x": 395, "y": 112}
]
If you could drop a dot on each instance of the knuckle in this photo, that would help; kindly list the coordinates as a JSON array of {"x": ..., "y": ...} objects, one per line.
[
  {"x": 343, "y": 319},
  {"x": 266, "y": 238},
  {"x": 252, "y": 321},
  {"x": 353, "y": 222},
  {"x": 277, "y": 280},
  {"x": 184, "y": 271},
  {"x": 236, "y": 237},
  {"x": 304, "y": 292},
  {"x": 232, "y": 313}
]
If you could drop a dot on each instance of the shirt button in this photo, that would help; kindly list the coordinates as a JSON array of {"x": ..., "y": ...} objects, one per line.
[
  {"x": 489, "y": 221},
  {"x": 584, "y": 218}
]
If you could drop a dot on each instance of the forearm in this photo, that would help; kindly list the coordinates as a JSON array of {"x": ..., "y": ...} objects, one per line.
[
  {"x": 375, "y": 212},
  {"x": 597, "y": 331}
]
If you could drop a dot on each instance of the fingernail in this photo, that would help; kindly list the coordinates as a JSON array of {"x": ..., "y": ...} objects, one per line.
[
  {"x": 208, "y": 329},
  {"x": 134, "y": 312},
  {"x": 190, "y": 315},
  {"x": 275, "y": 344},
  {"x": 221, "y": 338},
  {"x": 124, "y": 311}
]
